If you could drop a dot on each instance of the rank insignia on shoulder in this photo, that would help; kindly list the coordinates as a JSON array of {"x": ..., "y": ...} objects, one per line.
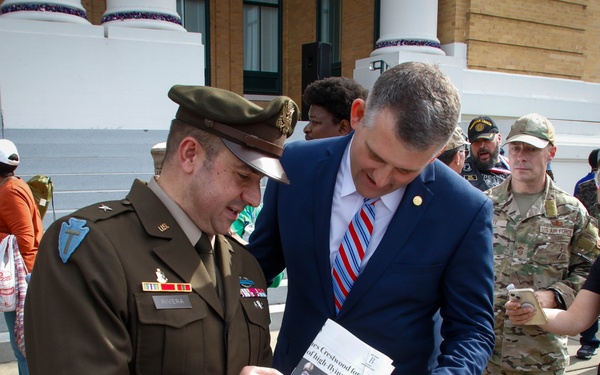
[
  {"x": 71, "y": 235},
  {"x": 470, "y": 177},
  {"x": 105, "y": 208}
]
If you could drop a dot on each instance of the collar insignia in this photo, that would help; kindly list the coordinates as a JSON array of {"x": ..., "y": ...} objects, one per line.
[{"x": 284, "y": 122}]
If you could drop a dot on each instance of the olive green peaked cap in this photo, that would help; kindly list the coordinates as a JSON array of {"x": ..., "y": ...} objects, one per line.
[{"x": 254, "y": 134}]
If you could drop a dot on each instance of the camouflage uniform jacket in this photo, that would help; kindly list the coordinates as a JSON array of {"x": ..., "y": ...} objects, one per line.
[
  {"x": 552, "y": 247},
  {"x": 586, "y": 193}
]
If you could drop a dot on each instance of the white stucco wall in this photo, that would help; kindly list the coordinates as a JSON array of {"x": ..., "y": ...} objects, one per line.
[{"x": 57, "y": 75}]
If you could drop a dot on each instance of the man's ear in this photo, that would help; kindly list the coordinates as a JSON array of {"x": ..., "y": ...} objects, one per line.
[
  {"x": 344, "y": 127},
  {"x": 189, "y": 154},
  {"x": 552, "y": 151},
  {"x": 357, "y": 113},
  {"x": 455, "y": 158}
]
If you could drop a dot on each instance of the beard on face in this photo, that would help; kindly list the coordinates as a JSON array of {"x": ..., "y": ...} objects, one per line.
[{"x": 485, "y": 166}]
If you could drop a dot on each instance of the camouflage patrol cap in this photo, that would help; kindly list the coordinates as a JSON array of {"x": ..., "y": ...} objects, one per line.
[
  {"x": 457, "y": 139},
  {"x": 533, "y": 129},
  {"x": 254, "y": 134}
]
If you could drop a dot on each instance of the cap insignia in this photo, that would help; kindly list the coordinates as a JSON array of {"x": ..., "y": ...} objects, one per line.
[
  {"x": 479, "y": 127},
  {"x": 209, "y": 123},
  {"x": 284, "y": 122}
]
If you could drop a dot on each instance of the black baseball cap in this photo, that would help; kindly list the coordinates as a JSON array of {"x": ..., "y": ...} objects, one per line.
[{"x": 482, "y": 127}]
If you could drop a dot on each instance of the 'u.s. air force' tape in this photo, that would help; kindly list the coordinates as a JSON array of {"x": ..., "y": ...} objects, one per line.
[{"x": 70, "y": 236}]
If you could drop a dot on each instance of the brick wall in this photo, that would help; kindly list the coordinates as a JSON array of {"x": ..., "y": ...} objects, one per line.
[
  {"x": 299, "y": 27},
  {"x": 358, "y": 19},
  {"x": 452, "y": 21},
  {"x": 536, "y": 37},
  {"x": 553, "y": 38},
  {"x": 591, "y": 49},
  {"x": 227, "y": 45}
]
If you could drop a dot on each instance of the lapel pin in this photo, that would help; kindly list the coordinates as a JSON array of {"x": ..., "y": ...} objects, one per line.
[
  {"x": 163, "y": 227},
  {"x": 417, "y": 200},
  {"x": 259, "y": 305}
]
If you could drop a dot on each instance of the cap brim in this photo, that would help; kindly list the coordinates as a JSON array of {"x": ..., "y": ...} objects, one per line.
[
  {"x": 269, "y": 166},
  {"x": 529, "y": 139},
  {"x": 486, "y": 136}
]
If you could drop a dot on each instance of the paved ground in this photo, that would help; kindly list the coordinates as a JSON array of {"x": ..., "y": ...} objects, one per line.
[{"x": 577, "y": 367}]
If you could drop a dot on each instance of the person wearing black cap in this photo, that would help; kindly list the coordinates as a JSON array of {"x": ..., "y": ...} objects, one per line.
[
  {"x": 485, "y": 167},
  {"x": 150, "y": 284}
]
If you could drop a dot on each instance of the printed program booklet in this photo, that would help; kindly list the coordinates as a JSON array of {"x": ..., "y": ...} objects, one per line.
[{"x": 336, "y": 351}]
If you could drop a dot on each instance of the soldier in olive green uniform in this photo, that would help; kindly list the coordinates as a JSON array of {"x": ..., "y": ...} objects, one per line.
[
  {"x": 543, "y": 239},
  {"x": 149, "y": 284}
]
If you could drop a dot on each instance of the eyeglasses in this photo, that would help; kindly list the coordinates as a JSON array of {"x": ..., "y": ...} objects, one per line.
[{"x": 465, "y": 149}]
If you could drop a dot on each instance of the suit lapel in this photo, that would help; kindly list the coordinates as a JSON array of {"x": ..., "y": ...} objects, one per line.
[
  {"x": 405, "y": 220},
  {"x": 323, "y": 197}
]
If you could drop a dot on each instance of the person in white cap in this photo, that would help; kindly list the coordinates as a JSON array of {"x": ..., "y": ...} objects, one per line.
[
  {"x": 19, "y": 215},
  {"x": 544, "y": 239}
]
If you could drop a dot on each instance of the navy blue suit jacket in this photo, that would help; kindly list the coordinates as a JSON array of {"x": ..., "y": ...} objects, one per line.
[{"x": 435, "y": 259}]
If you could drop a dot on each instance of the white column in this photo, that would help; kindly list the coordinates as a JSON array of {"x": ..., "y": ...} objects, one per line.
[
  {"x": 408, "y": 26},
  {"x": 145, "y": 14},
  {"x": 70, "y": 11}
]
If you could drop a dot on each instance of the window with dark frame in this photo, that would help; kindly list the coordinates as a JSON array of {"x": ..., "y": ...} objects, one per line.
[{"x": 262, "y": 47}]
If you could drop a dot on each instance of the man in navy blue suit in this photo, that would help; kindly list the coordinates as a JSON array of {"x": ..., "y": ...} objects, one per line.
[{"x": 424, "y": 291}]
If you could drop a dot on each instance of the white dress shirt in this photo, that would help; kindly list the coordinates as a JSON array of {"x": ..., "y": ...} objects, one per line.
[{"x": 347, "y": 201}]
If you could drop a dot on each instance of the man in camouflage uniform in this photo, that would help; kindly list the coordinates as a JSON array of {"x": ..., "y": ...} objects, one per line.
[
  {"x": 544, "y": 239},
  {"x": 586, "y": 192},
  {"x": 485, "y": 167}
]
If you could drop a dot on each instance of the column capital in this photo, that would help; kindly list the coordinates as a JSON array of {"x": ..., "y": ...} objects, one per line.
[
  {"x": 408, "y": 26},
  {"x": 145, "y": 14},
  {"x": 69, "y": 11}
]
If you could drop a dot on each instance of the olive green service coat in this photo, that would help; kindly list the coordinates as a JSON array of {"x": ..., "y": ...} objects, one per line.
[{"x": 89, "y": 315}]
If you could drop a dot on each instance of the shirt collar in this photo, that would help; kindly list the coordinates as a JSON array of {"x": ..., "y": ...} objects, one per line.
[
  {"x": 391, "y": 200},
  {"x": 187, "y": 225}
]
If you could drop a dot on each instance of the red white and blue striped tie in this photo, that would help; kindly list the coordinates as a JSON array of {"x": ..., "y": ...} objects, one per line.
[{"x": 346, "y": 266}]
